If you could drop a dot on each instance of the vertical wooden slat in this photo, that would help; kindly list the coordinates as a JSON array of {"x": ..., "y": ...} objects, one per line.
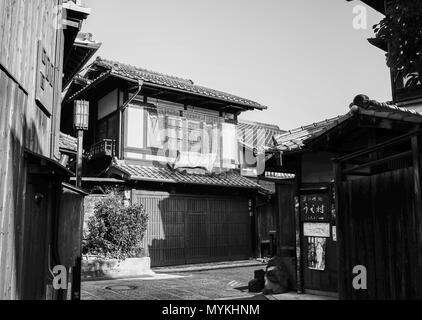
[
  {"x": 340, "y": 229},
  {"x": 417, "y": 167}
]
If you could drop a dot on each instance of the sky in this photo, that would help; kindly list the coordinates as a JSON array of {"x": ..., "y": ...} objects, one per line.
[{"x": 303, "y": 58}]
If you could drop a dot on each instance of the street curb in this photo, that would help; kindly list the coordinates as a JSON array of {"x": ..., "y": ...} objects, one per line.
[{"x": 206, "y": 268}]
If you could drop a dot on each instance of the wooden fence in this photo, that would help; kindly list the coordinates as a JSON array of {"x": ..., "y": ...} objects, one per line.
[{"x": 376, "y": 229}]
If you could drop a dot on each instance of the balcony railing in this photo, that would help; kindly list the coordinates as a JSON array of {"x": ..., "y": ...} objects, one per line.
[{"x": 104, "y": 148}]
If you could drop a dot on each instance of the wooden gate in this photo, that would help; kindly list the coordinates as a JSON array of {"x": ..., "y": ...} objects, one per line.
[
  {"x": 376, "y": 220},
  {"x": 193, "y": 229}
]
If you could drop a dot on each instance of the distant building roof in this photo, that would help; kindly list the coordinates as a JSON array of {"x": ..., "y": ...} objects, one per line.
[
  {"x": 170, "y": 82},
  {"x": 257, "y": 135},
  {"x": 166, "y": 175}
]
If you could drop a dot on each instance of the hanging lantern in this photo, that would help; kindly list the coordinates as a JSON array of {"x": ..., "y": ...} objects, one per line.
[{"x": 81, "y": 115}]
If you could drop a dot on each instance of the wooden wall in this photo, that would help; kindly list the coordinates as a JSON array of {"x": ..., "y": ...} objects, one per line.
[
  {"x": 22, "y": 123},
  {"x": 266, "y": 221},
  {"x": 68, "y": 237},
  {"x": 192, "y": 229},
  {"x": 286, "y": 231},
  {"x": 376, "y": 229}
]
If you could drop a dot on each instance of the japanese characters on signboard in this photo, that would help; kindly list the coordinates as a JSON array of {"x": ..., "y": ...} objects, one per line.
[{"x": 315, "y": 207}]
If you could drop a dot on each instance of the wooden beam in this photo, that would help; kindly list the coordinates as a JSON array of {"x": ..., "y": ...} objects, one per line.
[
  {"x": 379, "y": 162},
  {"x": 72, "y": 24},
  {"x": 380, "y": 146},
  {"x": 157, "y": 94},
  {"x": 359, "y": 174}
]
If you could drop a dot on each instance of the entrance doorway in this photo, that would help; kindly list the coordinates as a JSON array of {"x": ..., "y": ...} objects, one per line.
[{"x": 318, "y": 241}]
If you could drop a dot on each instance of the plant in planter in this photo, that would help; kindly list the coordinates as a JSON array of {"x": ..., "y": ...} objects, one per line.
[
  {"x": 401, "y": 29},
  {"x": 115, "y": 230}
]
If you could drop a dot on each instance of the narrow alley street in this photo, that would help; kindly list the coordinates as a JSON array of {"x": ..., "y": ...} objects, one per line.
[{"x": 201, "y": 285}]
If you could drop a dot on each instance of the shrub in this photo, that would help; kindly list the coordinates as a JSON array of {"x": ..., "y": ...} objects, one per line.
[{"x": 115, "y": 230}]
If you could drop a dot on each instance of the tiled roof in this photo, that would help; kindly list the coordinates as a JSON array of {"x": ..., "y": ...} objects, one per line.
[
  {"x": 161, "y": 174},
  {"x": 257, "y": 135},
  {"x": 171, "y": 82},
  {"x": 294, "y": 139},
  {"x": 67, "y": 142},
  {"x": 362, "y": 104}
]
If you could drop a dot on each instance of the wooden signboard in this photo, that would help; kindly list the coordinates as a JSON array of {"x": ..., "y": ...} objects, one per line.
[
  {"x": 45, "y": 79},
  {"x": 315, "y": 207}
]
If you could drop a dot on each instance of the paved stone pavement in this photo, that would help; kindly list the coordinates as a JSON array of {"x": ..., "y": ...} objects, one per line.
[{"x": 201, "y": 285}]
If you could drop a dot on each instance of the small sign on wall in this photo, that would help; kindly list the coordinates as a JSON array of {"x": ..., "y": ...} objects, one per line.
[
  {"x": 316, "y": 229},
  {"x": 315, "y": 207}
]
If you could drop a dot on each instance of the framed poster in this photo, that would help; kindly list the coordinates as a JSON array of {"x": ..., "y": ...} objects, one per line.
[
  {"x": 315, "y": 207},
  {"x": 316, "y": 253},
  {"x": 316, "y": 229}
]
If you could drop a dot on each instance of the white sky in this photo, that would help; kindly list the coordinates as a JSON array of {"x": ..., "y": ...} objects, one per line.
[{"x": 303, "y": 58}]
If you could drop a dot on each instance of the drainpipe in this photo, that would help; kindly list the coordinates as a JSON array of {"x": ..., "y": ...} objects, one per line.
[{"x": 122, "y": 109}]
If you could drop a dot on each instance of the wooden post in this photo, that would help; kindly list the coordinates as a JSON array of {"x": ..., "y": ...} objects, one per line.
[
  {"x": 338, "y": 178},
  {"x": 417, "y": 167},
  {"x": 76, "y": 279},
  {"x": 81, "y": 123},
  {"x": 299, "y": 273},
  {"x": 76, "y": 270},
  {"x": 79, "y": 159}
]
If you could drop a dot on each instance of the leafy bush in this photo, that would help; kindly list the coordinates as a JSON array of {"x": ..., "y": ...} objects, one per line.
[
  {"x": 401, "y": 29},
  {"x": 115, "y": 230}
]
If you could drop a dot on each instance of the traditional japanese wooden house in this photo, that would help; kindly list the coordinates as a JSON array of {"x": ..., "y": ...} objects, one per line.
[
  {"x": 35, "y": 42},
  {"x": 357, "y": 201},
  {"x": 172, "y": 145}
]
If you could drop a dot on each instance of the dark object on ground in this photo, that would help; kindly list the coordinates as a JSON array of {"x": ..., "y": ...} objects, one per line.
[
  {"x": 259, "y": 274},
  {"x": 257, "y": 284},
  {"x": 277, "y": 279}
]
